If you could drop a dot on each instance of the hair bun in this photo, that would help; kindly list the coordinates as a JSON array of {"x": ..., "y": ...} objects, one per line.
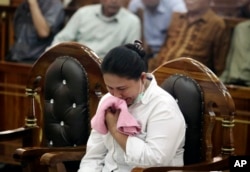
[{"x": 137, "y": 47}]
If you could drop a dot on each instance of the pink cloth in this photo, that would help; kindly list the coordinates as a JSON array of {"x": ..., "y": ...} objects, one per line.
[{"x": 126, "y": 123}]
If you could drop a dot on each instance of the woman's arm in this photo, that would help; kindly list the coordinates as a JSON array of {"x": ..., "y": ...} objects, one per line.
[
  {"x": 93, "y": 160},
  {"x": 162, "y": 141},
  {"x": 111, "y": 121}
]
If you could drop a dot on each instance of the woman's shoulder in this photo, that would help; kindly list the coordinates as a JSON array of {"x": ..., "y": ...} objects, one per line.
[{"x": 161, "y": 96}]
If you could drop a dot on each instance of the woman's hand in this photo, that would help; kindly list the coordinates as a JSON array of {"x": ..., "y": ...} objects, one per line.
[{"x": 111, "y": 118}]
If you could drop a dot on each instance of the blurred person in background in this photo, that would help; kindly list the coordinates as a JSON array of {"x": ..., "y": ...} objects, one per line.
[
  {"x": 156, "y": 16},
  {"x": 101, "y": 26},
  {"x": 35, "y": 24},
  {"x": 199, "y": 34}
]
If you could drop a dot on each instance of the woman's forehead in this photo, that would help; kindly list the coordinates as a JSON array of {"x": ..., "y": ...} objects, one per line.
[{"x": 113, "y": 80}]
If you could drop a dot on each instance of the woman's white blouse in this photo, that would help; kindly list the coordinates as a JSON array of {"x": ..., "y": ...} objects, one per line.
[{"x": 159, "y": 144}]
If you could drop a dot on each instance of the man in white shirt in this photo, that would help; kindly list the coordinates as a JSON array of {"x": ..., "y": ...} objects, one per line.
[{"x": 101, "y": 27}]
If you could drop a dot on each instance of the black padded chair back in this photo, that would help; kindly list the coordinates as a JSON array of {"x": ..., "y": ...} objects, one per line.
[
  {"x": 66, "y": 113},
  {"x": 189, "y": 97}
]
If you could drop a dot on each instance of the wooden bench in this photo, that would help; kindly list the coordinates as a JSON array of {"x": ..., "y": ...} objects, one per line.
[
  {"x": 13, "y": 78},
  {"x": 241, "y": 96},
  {"x": 13, "y": 101}
]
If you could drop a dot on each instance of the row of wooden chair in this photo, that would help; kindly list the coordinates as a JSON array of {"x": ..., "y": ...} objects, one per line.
[{"x": 66, "y": 80}]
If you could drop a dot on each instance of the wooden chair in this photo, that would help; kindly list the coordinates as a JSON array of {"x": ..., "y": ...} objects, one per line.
[
  {"x": 64, "y": 87},
  {"x": 215, "y": 147}
]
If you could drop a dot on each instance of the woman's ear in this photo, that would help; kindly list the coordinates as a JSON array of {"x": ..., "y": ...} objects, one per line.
[{"x": 143, "y": 76}]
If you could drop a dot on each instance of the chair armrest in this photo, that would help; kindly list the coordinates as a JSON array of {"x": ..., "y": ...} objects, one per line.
[
  {"x": 222, "y": 164},
  {"x": 30, "y": 153},
  {"x": 53, "y": 158},
  {"x": 17, "y": 133}
]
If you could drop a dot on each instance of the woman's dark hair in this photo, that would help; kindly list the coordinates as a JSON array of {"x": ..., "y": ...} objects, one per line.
[{"x": 127, "y": 61}]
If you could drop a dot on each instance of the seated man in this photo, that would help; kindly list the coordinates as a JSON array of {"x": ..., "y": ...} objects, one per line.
[
  {"x": 35, "y": 24},
  {"x": 156, "y": 18},
  {"x": 237, "y": 70},
  {"x": 101, "y": 27},
  {"x": 199, "y": 34}
]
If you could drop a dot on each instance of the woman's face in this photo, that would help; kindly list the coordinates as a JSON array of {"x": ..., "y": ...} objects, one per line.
[{"x": 126, "y": 89}]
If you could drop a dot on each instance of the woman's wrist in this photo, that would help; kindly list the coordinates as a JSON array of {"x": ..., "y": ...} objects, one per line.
[{"x": 113, "y": 130}]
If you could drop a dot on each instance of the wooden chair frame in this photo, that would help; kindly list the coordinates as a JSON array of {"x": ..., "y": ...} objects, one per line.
[{"x": 31, "y": 133}]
